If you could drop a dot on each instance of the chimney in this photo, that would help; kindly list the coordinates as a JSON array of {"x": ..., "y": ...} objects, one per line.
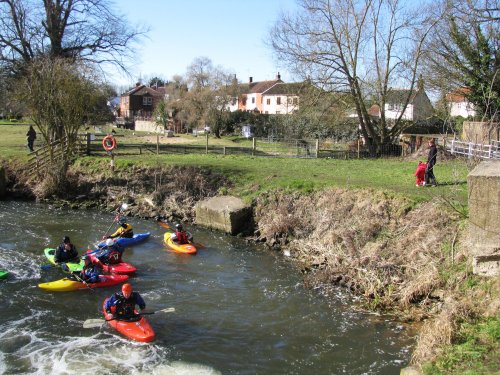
[
  {"x": 250, "y": 80},
  {"x": 278, "y": 76}
]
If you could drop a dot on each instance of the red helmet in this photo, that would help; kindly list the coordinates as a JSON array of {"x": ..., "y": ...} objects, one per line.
[{"x": 127, "y": 289}]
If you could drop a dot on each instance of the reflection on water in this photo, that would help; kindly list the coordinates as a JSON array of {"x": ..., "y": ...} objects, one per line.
[{"x": 239, "y": 309}]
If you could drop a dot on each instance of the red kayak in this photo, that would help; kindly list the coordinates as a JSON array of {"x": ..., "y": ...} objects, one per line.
[
  {"x": 137, "y": 328},
  {"x": 121, "y": 268}
]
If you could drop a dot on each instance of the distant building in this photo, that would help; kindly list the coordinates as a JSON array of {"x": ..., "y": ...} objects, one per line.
[
  {"x": 419, "y": 106},
  {"x": 140, "y": 101},
  {"x": 282, "y": 98},
  {"x": 459, "y": 105}
]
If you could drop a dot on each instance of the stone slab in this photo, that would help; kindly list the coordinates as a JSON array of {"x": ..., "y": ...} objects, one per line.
[
  {"x": 487, "y": 265},
  {"x": 226, "y": 213}
]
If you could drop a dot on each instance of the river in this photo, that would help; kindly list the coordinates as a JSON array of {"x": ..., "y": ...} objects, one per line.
[{"x": 240, "y": 309}]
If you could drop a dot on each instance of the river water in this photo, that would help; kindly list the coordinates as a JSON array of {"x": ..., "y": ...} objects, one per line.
[{"x": 240, "y": 309}]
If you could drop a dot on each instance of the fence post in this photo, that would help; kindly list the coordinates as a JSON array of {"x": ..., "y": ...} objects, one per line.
[
  {"x": 452, "y": 150},
  {"x": 358, "y": 147},
  {"x": 88, "y": 144},
  {"x": 206, "y": 147},
  {"x": 157, "y": 144},
  {"x": 471, "y": 149},
  {"x": 253, "y": 146},
  {"x": 489, "y": 151},
  {"x": 224, "y": 150}
]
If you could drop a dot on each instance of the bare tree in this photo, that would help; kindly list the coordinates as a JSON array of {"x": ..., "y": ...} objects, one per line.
[
  {"x": 85, "y": 30},
  {"x": 211, "y": 89},
  {"x": 60, "y": 98},
  {"x": 363, "y": 48}
]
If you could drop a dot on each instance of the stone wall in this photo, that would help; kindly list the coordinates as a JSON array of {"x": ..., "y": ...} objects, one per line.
[{"x": 484, "y": 217}]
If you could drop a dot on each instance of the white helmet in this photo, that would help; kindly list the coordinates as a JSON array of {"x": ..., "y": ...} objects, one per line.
[{"x": 110, "y": 242}]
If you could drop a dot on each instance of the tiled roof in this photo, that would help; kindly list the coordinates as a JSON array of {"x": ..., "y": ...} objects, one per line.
[
  {"x": 287, "y": 88},
  {"x": 458, "y": 95},
  {"x": 260, "y": 87},
  {"x": 399, "y": 96},
  {"x": 143, "y": 89}
]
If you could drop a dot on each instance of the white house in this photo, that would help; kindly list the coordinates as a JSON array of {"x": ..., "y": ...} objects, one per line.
[
  {"x": 459, "y": 105},
  {"x": 419, "y": 106},
  {"x": 282, "y": 98}
]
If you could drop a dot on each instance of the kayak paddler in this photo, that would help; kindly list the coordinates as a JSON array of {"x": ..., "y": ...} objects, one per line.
[
  {"x": 111, "y": 253},
  {"x": 122, "y": 304},
  {"x": 125, "y": 230},
  {"x": 65, "y": 252},
  {"x": 181, "y": 236},
  {"x": 90, "y": 272}
]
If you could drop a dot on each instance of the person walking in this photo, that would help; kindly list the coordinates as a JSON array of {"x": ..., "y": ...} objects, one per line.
[
  {"x": 430, "y": 179},
  {"x": 31, "y": 136}
]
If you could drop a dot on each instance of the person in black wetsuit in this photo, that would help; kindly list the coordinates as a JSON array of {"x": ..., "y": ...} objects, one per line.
[{"x": 65, "y": 252}]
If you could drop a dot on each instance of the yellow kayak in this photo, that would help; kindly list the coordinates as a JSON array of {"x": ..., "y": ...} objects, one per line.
[
  {"x": 68, "y": 285},
  {"x": 187, "y": 248}
]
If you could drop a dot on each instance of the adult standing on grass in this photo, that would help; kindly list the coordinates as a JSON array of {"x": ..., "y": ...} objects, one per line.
[
  {"x": 431, "y": 161},
  {"x": 31, "y": 136}
]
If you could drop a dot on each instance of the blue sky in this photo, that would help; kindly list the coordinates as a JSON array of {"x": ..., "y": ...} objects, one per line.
[{"x": 231, "y": 33}]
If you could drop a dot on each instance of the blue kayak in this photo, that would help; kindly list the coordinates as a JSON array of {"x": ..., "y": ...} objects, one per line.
[{"x": 122, "y": 241}]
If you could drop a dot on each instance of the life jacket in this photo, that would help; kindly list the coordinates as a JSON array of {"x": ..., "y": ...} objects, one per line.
[
  {"x": 114, "y": 257},
  {"x": 181, "y": 237},
  {"x": 125, "y": 307},
  {"x": 127, "y": 231}
]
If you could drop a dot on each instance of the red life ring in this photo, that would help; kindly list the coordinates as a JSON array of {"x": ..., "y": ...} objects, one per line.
[{"x": 109, "y": 143}]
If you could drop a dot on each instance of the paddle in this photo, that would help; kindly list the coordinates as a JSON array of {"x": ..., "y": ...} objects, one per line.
[
  {"x": 163, "y": 224},
  {"x": 65, "y": 268},
  {"x": 120, "y": 209},
  {"x": 93, "y": 323}
]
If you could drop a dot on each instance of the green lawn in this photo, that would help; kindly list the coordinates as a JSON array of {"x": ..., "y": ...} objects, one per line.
[{"x": 252, "y": 175}]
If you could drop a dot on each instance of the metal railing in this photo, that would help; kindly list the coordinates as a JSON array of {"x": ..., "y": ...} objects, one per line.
[{"x": 478, "y": 150}]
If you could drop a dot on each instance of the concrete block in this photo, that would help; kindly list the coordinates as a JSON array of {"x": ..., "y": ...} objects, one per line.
[
  {"x": 225, "y": 213},
  {"x": 487, "y": 265},
  {"x": 484, "y": 207}
]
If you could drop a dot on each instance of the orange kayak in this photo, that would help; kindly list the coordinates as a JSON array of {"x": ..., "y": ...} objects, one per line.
[
  {"x": 187, "y": 248},
  {"x": 137, "y": 328}
]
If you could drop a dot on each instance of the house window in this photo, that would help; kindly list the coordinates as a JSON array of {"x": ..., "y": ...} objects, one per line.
[
  {"x": 253, "y": 100},
  {"x": 268, "y": 101},
  {"x": 395, "y": 107},
  {"x": 295, "y": 101},
  {"x": 289, "y": 100},
  {"x": 278, "y": 100},
  {"x": 147, "y": 100}
]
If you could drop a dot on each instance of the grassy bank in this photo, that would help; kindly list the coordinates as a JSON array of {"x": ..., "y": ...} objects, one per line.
[{"x": 254, "y": 175}]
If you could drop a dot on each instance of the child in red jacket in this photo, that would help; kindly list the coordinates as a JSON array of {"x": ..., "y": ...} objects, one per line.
[{"x": 420, "y": 174}]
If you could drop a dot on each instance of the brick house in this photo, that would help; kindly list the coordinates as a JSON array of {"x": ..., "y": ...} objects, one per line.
[{"x": 140, "y": 101}]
